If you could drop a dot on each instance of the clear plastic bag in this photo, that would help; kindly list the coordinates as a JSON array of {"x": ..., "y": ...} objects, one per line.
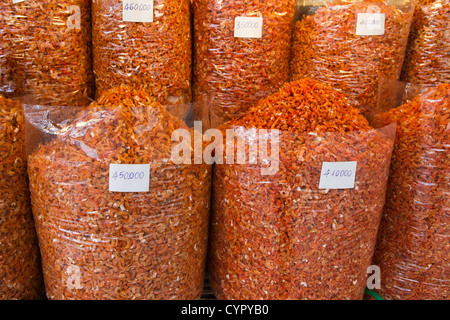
[
  {"x": 20, "y": 264},
  {"x": 236, "y": 70},
  {"x": 282, "y": 235},
  {"x": 102, "y": 240},
  {"x": 352, "y": 44},
  {"x": 413, "y": 248},
  {"x": 153, "y": 55},
  {"x": 428, "y": 52},
  {"x": 50, "y": 43}
]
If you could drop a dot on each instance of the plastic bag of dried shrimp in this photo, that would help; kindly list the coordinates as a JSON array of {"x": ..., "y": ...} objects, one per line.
[
  {"x": 298, "y": 199},
  {"x": 428, "y": 52},
  {"x": 144, "y": 44},
  {"x": 116, "y": 217},
  {"x": 20, "y": 264},
  {"x": 351, "y": 44},
  {"x": 413, "y": 249},
  {"x": 241, "y": 52},
  {"x": 48, "y": 45}
]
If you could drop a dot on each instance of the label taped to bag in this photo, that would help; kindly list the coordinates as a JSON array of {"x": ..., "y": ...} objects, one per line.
[
  {"x": 338, "y": 175},
  {"x": 17, "y": 1},
  {"x": 137, "y": 10},
  {"x": 370, "y": 24},
  {"x": 248, "y": 27},
  {"x": 129, "y": 177}
]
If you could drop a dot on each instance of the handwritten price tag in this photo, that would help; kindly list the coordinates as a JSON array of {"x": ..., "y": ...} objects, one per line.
[
  {"x": 137, "y": 10},
  {"x": 248, "y": 27},
  {"x": 338, "y": 175},
  {"x": 129, "y": 177},
  {"x": 370, "y": 24}
]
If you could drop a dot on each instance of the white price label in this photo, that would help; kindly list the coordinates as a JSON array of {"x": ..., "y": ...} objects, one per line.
[
  {"x": 137, "y": 10},
  {"x": 129, "y": 177},
  {"x": 338, "y": 175},
  {"x": 17, "y": 1},
  {"x": 370, "y": 24},
  {"x": 248, "y": 27}
]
